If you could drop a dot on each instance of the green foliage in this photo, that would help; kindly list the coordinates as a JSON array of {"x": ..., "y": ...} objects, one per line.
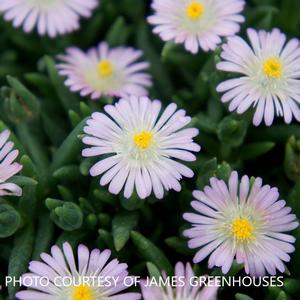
[
  {"x": 292, "y": 159},
  {"x": 10, "y": 220},
  {"x": 122, "y": 225},
  {"x": 231, "y": 131},
  {"x": 150, "y": 252},
  {"x": 66, "y": 215},
  {"x": 242, "y": 297},
  {"x": 20, "y": 255}
]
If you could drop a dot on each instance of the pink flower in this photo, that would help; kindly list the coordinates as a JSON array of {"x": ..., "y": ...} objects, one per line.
[
  {"x": 105, "y": 72},
  {"x": 59, "y": 276},
  {"x": 196, "y": 23},
  {"x": 8, "y": 167},
  {"x": 141, "y": 145},
  {"x": 268, "y": 76},
  {"x": 242, "y": 220},
  {"x": 188, "y": 287},
  {"x": 51, "y": 17}
]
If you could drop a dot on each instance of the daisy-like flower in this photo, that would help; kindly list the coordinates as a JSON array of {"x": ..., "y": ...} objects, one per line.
[
  {"x": 142, "y": 146},
  {"x": 187, "y": 289},
  {"x": 269, "y": 75},
  {"x": 242, "y": 220},
  {"x": 103, "y": 71},
  {"x": 196, "y": 23},
  {"x": 51, "y": 17},
  {"x": 60, "y": 277},
  {"x": 8, "y": 166}
]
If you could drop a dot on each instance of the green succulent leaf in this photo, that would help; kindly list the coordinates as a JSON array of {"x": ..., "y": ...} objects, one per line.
[
  {"x": 20, "y": 256},
  {"x": 122, "y": 225},
  {"x": 66, "y": 215},
  {"x": 242, "y": 297},
  {"x": 153, "y": 271},
  {"x": 10, "y": 220},
  {"x": 151, "y": 252},
  {"x": 179, "y": 245},
  {"x": 69, "y": 149},
  {"x": 28, "y": 101},
  {"x": 232, "y": 131},
  {"x": 292, "y": 158},
  {"x": 254, "y": 150},
  {"x": 23, "y": 181},
  {"x": 118, "y": 33},
  {"x": 44, "y": 236}
]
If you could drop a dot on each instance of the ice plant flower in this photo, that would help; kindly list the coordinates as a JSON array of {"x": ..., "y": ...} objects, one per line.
[
  {"x": 196, "y": 23},
  {"x": 141, "y": 146},
  {"x": 242, "y": 220},
  {"x": 8, "y": 166},
  {"x": 105, "y": 72},
  {"x": 51, "y": 17},
  {"x": 268, "y": 75},
  {"x": 189, "y": 288},
  {"x": 60, "y": 277}
]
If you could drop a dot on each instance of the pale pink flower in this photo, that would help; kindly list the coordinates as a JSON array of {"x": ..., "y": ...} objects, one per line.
[
  {"x": 105, "y": 72},
  {"x": 190, "y": 290},
  {"x": 89, "y": 277},
  {"x": 196, "y": 23},
  {"x": 143, "y": 145},
  {"x": 268, "y": 76},
  {"x": 51, "y": 17},
  {"x": 243, "y": 221},
  {"x": 8, "y": 166}
]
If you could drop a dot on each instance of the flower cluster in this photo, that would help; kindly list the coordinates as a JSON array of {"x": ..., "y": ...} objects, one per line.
[
  {"x": 92, "y": 277},
  {"x": 144, "y": 148}
]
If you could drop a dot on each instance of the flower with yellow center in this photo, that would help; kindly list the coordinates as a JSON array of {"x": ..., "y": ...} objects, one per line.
[
  {"x": 242, "y": 229},
  {"x": 195, "y": 10},
  {"x": 197, "y": 24},
  {"x": 78, "y": 277},
  {"x": 265, "y": 76},
  {"x": 272, "y": 67},
  {"x": 105, "y": 68},
  {"x": 104, "y": 71},
  {"x": 241, "y": 220},
  {"x": 49, "y": 17},
  {"x": 144, "y": 146},
  {"x": 143, "y": 140},
  {"x": 83, "y": 292}
]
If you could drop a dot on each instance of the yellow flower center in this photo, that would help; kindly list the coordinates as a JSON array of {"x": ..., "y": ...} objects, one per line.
[
  {"x": 105, "y": 68},
  {"x": 143, "y": 140},
  {"x": 242, "y": 229},
  {"x": 272, "y": 67},
  {"x": 83, "y": 292},
  {"x": 195, "y": 10}
]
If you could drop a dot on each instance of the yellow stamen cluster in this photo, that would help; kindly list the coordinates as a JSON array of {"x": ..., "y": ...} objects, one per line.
[
  {"x": 83, "y": 292},
  {"x": 195, "y": 10},
  {"x": 105, "y": 68},
  {"x": 143, "y": 140},
  {"x": 242, "y": 229},
  {"x": 272, "y": 67}
]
